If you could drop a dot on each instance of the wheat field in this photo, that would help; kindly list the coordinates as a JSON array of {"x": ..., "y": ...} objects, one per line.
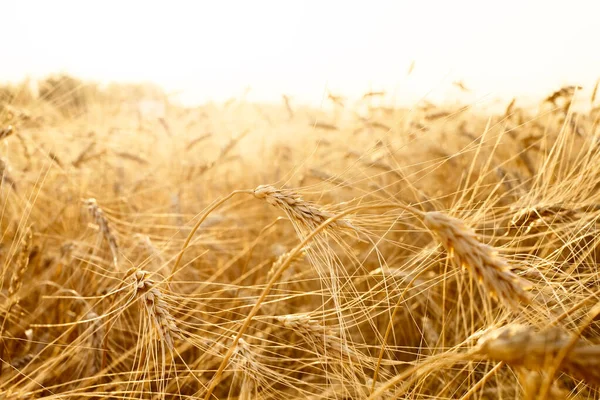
[{"x": 247, "y": 251}]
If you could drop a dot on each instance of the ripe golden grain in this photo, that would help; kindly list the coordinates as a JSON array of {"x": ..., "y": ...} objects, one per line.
[
  {"x": 296, "y": 208},
  {"x": 98, "y": 214},
  {"x": 156, "y": 309},
  {"x": 523, "y": 346},
  {"x": 481, "y": 260}
]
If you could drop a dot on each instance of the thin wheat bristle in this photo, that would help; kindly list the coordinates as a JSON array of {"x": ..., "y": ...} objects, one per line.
[
  {"x": 102, "y": 222},
  {"x": 481, "y": 260},
  {"x": 156, "y": 308},
  {"x": 296, "y": 208}
]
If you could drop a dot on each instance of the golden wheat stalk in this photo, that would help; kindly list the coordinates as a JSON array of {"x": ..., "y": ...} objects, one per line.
[
  {"x": 524, "y": 346},
  {"x": 296, "y": 208},
  {"x": 102, "y": 222},
  {"x": 153, "y": 303},
  {"x": 481, "y": 260}
]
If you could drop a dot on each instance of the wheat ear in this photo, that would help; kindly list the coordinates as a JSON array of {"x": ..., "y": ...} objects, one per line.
[
  {"x": 6, "y": 132},
  {"x": 5, "y": 174},
  {"x": 101, "y": 220},
  {"x": 245, "y": 370},
  {"x": 532, "y": 381},
  {"x": 326, "y": 337},
  {"x": 523, "y": 346},
  {"x": 16, "y": 281},
  {"x": 296, "y": 208},
  {"x": 153, "y": 303},
  {"x": 22, "y": 263},
  {"x": 295, "y": 258},
  {"x": 95, "y": 343},
  {"x": 481, "y": 260}
]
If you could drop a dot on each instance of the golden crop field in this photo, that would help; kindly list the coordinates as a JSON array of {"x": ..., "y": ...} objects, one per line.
[{"x": 250, "y": 251}]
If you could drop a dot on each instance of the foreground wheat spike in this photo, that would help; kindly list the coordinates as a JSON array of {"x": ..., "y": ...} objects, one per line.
[
  {"x": 301, "y": 254},
  {"x": 296, "y": 208},
  {"x": 22, "y": 263},
  {"x": 481, "y": 260},
  {"x": 95, "y": 343},
  {"x": 156, "y": 309},
  {"x": 245, "y": 369},
  {"x": 313, "y": 329},
  {"x": 101, "y": 220},
  {"x": 524, "y": 346}
]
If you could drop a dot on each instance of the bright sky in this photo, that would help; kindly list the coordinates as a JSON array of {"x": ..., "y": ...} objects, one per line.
[{"x": 214, "y": 49}]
